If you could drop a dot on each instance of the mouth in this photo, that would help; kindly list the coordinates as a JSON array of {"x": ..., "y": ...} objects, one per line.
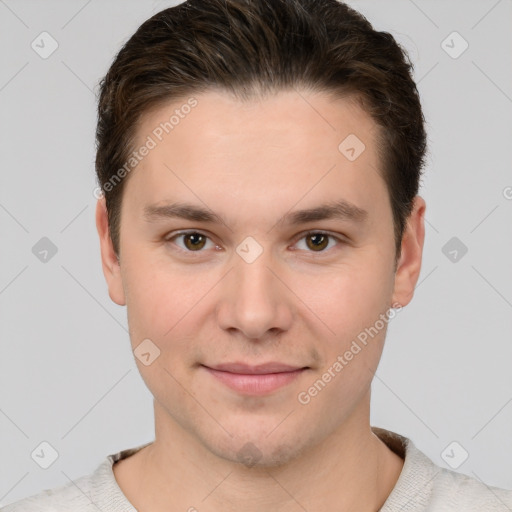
[{"x": 255, "y": 380}]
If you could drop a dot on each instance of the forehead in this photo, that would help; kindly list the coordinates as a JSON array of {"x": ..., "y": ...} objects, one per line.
[
  {"x": 288, "y": 147},
  {"x": 301, "y": 119}
]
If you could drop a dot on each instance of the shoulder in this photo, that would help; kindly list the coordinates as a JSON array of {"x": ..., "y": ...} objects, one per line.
[
  {"x": 75, "y": 496},
  {"x": 425, "y": 486},
  {"x": 457, "y": 491},
  {"x": 90, "y": 493}
]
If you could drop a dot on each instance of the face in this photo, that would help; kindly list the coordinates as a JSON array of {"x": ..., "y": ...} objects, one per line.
[{"x": 252, "y": 281}]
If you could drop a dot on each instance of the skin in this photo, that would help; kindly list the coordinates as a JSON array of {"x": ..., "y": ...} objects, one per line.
[{"x": 252, "y": 162}]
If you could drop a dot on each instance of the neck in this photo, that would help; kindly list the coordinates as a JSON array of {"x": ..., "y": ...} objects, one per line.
[{"x": 352, "y": 469}]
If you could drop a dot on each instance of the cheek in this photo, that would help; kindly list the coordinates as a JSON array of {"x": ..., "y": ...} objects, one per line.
[
  {"x": 348, "y": 299},
  {"x": 162, "y": 306},
  {"x": 158, "y": 298},
  {"x": 352, "y": 306},
  {"x": 349, "y": 358}
]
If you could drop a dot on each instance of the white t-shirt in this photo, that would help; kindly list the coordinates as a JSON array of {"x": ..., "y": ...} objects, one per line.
[{"x": 422, "y": 486}]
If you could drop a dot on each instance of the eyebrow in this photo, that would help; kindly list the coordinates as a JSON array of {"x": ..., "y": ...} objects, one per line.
[{"x": 340, "y": 209}]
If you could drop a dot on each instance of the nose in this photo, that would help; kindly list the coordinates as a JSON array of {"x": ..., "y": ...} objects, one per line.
[{"x": 254, "y": 300}]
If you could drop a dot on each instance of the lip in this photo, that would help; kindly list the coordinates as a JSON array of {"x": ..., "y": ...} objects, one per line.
[
  {"x": 245, "y": 369},
  {"x": 255, "y": 380}
]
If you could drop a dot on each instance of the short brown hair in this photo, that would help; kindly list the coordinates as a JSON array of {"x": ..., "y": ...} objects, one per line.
[{"x": 255, "y": 46}]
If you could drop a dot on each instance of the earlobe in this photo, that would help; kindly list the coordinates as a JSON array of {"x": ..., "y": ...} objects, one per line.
[
  {"x": 109, "y": 261},
  {"x": 409, "y": 265}
]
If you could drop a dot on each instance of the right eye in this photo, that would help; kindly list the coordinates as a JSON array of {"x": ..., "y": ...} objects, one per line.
[{"x": 193, "y": 241}]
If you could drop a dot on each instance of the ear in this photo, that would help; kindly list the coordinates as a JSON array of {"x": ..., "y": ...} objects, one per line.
[
  {"x": 109, "y": 262},
  {"x": 409, "y": 265}
]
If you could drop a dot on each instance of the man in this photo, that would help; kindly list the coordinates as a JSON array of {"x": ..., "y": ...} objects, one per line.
[{"x": 260, "y": 163}]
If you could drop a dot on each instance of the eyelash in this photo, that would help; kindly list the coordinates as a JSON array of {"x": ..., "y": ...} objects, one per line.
[{"x": 304, "y": 235}]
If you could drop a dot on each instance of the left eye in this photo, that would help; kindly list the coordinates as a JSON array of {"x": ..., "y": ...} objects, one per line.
[{"x": 318, "y": 241}]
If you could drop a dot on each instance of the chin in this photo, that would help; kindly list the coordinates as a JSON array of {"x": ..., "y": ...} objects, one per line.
[{"x": 261, "y": 448}]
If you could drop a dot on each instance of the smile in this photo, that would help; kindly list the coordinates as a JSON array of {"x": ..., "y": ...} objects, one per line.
[{"x": 255, "y": 383}]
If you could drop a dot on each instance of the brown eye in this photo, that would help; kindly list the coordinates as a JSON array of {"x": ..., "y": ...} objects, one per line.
[
  {"x": 319, "y": 241},
  {"x": 194, "y": 241},
  {"x": 190, "y": 241}
]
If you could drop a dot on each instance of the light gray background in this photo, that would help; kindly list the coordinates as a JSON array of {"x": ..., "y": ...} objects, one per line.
[{"x": 67, "y": 373}]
